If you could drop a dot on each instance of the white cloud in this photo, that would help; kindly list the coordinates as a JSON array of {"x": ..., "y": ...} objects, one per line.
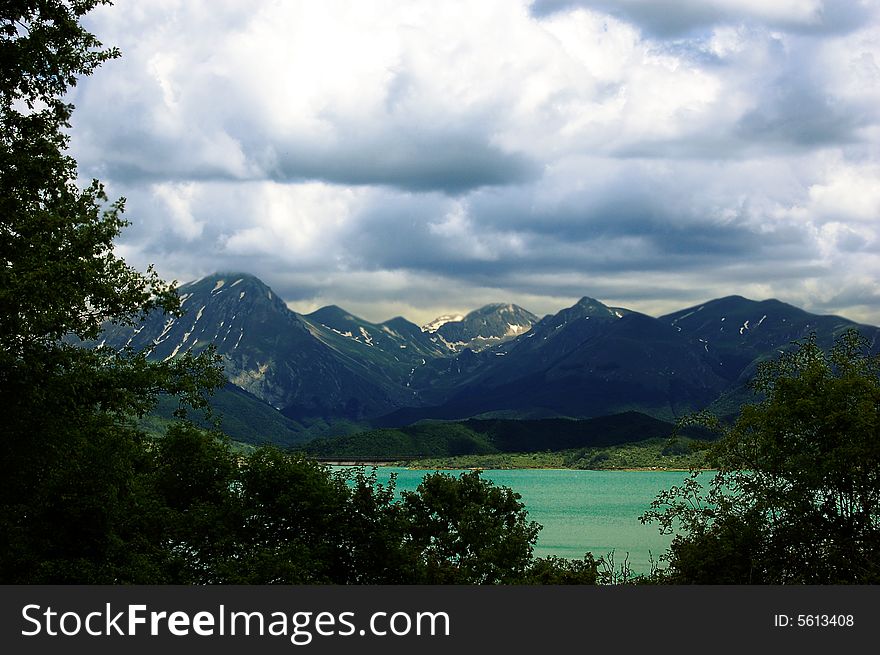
[
  {"x": 847, "y": 193},
  {"x": 433, "y": 151},
  {"x": 178, "y": 200}
]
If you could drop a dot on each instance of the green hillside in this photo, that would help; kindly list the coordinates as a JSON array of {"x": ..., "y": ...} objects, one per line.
[
  {"x": 651, "y": 454},
  {"x": 487, "y": 436},
  {"x": 247, "y": 419}
]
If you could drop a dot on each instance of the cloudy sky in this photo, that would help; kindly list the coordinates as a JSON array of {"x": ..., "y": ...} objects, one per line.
[{"x": 421, "y": 157}]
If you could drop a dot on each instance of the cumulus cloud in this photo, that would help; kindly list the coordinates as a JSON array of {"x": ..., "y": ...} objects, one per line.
[
  {"x": 418, "y": 157},
  {"x": 381, "y": 94}
]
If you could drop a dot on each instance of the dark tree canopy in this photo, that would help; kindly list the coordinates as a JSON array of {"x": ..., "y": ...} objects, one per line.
[
  {"x": 277, "y": 518},
  {"x": 468, "y": 531},
  {"x": 68, "y": 448},
  {"x": 797, "y": 495}
]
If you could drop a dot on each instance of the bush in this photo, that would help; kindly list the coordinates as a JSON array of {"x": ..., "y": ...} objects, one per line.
[{"x": 797, "y": 494}]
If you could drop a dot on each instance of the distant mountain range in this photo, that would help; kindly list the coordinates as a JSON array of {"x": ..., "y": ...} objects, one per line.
[{"x": 499, "y": 361}]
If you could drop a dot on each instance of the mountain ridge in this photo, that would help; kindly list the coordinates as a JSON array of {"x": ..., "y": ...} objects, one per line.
[{"x": 584, "y": 361}]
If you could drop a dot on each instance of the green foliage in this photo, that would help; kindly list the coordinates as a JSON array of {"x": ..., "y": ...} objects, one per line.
[
  {"x": 59, "y": 276},
  {"x": 68, "y": 452},
  {"x": 797, "y": 495},
  {"x": 678, "y": 453},
  {"x": 276, "y": 518},
  {"x": 376, "y": 532},
  {"x": 494, "y": 461},
  {"x": 422, "y": 439},
  {"x": 561, "y": 571},
  {"x": 466, "y": 530}
]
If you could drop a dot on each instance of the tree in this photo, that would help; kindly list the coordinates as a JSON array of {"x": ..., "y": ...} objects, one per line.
[
  {"x": 274, "y": 517},
  {"x": 68, "y": 449},
  {"x": 797, "y": 495},
  {"x": 561, "y": 571},
  {"x": 467, "y": 531}
]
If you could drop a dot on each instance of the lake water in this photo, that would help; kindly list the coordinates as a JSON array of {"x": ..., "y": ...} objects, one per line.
[{"x": 581, "y": 511}]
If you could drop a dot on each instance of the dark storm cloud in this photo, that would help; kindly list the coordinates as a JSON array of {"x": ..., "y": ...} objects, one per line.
[
  {"x": 631, "y": 206},
  {"x": 796, "y": 112},
  {"x": 413, "y": 159},
  {"x": 860, "y": 294},
  {"x": 419, "y": 161},
  {"x": 619, "y": 228},
  {"x": 669, "y": 19}
]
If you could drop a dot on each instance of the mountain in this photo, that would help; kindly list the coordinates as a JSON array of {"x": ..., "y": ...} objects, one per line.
[
  {"x": 267, "y": 349},
  {"x": 483, "y": 327},
  {"x": 736, "y": 333},
  {"x": 331, "y": 370},
  {"x": 544, "y": 343},
  {"x": 434, "y": 325},
  {"x": 590, "y": 359},
  {"x": 585, "y": 361},
  {"x": 242, "y": 416},
  {"x": 390, "y": 350}
]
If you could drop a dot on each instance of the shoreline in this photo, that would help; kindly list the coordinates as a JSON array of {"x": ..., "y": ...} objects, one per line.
[{"x": 646, "y": 469}]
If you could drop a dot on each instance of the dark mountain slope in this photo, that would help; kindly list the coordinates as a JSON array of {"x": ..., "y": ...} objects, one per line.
[
  {"x": 241, "y": 415},
  {"x": 736, "y": 333},
  {"x": 390, "y": 351},
  {"x": 587, "y": 360},
  {"x": 267, "y": 350}
]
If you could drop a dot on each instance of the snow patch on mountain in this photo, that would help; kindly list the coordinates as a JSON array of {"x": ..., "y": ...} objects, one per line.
[
  {"x": 136, "y": 332},
  {"x": 173, "y": 352},
  {"x": 346, "y": 334},
  {"x": 435, "y": 325},
  {"x": 168, "y": 325}
]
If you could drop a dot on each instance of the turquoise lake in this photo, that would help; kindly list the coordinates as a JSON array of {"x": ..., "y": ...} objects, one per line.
[{"x": 581, "y": 511}]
